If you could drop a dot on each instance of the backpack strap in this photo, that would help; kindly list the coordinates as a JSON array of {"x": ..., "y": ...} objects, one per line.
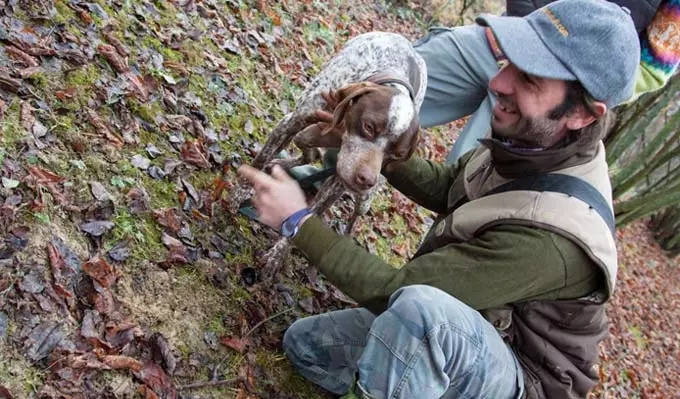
[{"x": 565, "y": 184}]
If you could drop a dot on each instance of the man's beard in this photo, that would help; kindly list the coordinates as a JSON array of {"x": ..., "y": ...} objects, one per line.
[{"x": 530, "y": 132}]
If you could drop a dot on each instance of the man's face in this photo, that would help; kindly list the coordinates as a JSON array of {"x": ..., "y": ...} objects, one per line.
[{"x": 523, "y": 106}]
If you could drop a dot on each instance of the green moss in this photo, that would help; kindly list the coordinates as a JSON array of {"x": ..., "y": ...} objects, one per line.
[
  {"x": 167, "y": 11},
  {"x": 197, "y": 84},
  {"x": 63, "y": 125},
  {"x": 64, "y": 14},
  {"x": 216, "y": 325},
  {"x": 39, "y": 80},
  {"x": 33, "y": 379},
  {"x": 151, "y": 42},
  {"x": 147, "y": 111},
  {"x": 83, "y": 79},
  {"x": 162, "y": 193},
  {"x": 171, "y": 55},
  {"x": 142, "y": 230},
  {"x": 286, "y": 378},
  {"x": 11, "y": 129}
]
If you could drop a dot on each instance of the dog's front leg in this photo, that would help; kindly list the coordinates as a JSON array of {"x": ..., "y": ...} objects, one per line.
[
  {"x": 362, "y": 203},
  {"x": 275, "y": 257},
  {"x": 280, "y": 137},
  {"x": 328, "y": 194}
]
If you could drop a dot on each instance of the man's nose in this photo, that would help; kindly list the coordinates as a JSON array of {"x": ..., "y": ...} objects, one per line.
[{"x": 503, "y": 83}]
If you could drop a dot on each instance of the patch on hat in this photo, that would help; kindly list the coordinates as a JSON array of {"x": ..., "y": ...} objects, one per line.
[{"x": 555, "y": 21}]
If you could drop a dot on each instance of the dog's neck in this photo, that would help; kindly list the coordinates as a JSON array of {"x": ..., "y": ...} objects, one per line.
[{"x": 385, "y": 78}]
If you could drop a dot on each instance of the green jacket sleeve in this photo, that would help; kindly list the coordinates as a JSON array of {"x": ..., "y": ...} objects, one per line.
[
  {"x": 425, "y": 182},
  {"x": 505, "y": 264}
]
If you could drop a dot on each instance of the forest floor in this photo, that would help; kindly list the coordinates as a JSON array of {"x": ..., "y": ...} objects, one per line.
[{"x": 121, "y": 273}]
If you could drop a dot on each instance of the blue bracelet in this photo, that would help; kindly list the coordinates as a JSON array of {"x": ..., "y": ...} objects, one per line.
[{"x": 289, "y": 227}]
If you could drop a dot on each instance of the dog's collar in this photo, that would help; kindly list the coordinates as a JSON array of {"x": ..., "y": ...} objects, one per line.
[{"x": 382, "y": 78}]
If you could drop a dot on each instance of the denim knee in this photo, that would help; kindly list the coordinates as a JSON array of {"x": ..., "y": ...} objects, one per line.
[
  {"x": 296, "y": 339},
  {"x": 426, "y": 294},
  {"x": 428, "y": 307}
]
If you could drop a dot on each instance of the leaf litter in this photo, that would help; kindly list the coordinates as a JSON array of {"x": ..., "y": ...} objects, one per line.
[{"x": 129, "y": 119}]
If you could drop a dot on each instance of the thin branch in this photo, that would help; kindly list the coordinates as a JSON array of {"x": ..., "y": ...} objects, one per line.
[{"x": 266, "y": 320}]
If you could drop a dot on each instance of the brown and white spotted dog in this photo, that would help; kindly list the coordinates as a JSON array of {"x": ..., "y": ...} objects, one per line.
[{"x": 373, "y": 88}]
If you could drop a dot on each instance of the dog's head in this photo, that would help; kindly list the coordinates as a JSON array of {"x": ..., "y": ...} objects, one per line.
[{"x": 381, "y": 126}]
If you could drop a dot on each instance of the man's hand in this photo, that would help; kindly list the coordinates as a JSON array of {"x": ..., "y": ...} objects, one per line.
[{"x": 276, "y": 197}]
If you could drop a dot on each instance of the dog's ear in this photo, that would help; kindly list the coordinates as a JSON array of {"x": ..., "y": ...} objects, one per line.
[{"x": 344, "y": 97}]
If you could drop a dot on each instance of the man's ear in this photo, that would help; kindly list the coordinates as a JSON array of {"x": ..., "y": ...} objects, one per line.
[{"x": 581, "y": 118}]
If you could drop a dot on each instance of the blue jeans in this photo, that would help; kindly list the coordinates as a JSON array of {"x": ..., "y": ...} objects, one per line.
[{"x": 427, "y": 344}]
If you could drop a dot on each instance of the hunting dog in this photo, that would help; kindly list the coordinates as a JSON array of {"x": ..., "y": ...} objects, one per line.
[{"x": 364, "y": 101}]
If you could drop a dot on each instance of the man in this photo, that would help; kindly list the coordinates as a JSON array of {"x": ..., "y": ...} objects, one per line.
[
  {"x": 658, "y": 25},
  {"x": 505, "y": 297}
]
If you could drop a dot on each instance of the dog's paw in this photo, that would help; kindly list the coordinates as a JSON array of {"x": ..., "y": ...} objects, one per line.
[
  {"x": 273, "y": 260},
  {"x": 237, "y": 196}
]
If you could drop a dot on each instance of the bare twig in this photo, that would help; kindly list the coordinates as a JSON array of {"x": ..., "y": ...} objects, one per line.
[
  {"x": 266, "y": 320},
  {"x": 205, "y": 384}
]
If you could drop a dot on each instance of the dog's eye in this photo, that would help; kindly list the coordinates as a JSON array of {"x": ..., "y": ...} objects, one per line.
[{"x": 368, "y": 129}]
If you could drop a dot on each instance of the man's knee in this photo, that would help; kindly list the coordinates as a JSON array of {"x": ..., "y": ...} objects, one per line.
[
  {"x": 428, "y": 307},
  {"x": 423, "y": 294},
  {"x": 296, "y": 339}
]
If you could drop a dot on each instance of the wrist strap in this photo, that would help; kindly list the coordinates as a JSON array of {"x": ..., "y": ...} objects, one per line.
[{"x": 294, "y": 220}]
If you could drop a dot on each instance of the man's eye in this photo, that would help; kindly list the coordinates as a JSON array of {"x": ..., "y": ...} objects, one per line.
[{"x": 529, "y": 79}]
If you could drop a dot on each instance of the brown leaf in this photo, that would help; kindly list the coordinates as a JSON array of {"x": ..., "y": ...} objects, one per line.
[
  {"x": 56, "y": 261},
  {"x": 102, "y": 128},
  {"x": 120, "y": 47},
  {"x": 176, "y": 66},
  {"x": 400, "y": 249},
  {"x": 21, "y": 56},
  {"x": 138, "y": 85},
  {"x": 121, "y": 333},
  {"x": 103, "y": 299},
  {"x": 27, "y": 72},
  {"x": 156, "y": 379},
  {"x": 235, "y": 343},
  {"x": 10, "y": 84},
  {"x": 65, "y": 94},
  {"x": 101, "y": 271},
  {"x": 138, "y": 200},
  {"x": 44, "y": 176},
  {"x": 109, "y": 52},
  {"x": 48, "y": 180},
  {"x": 173, "y": 258},
  {"x": 122, "y": 362},
  {"x": 162, "y": 354},
  {"x": 168, "y": 218},
  {"x": 85, "y": 361},
  {"x": 194, "y": 153}
]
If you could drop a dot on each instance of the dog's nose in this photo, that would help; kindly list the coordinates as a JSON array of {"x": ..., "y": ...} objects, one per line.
[{"x": 365, "y": 178}]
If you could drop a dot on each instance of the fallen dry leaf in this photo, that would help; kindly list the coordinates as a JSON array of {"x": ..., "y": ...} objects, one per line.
[
  {"x": 168, "y": 218},
  {"x": 155, "y": 378},
  {"x": 101, "y": 271},
  {"x": 111, "y": 54},
  {"x": 194, "y": 153},
  {"x": 235, "y": 343}
]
